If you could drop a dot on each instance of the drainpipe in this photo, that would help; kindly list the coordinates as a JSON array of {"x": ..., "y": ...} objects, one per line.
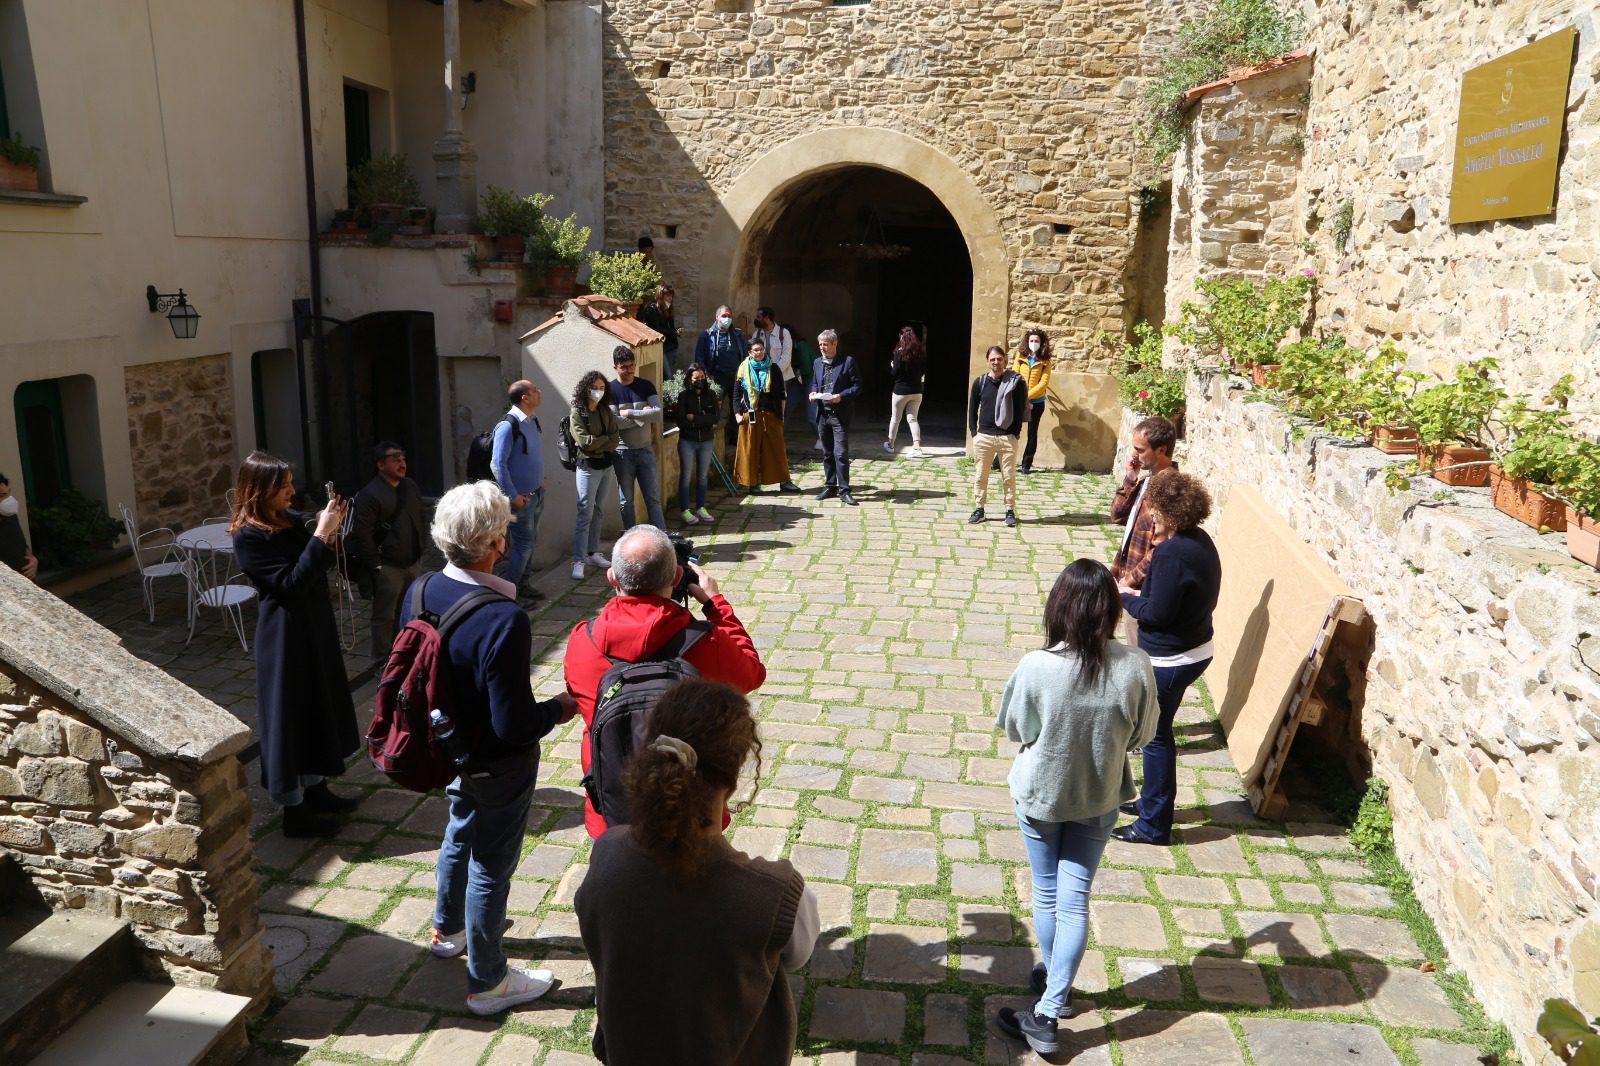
[{"x": 314, "y": 248}]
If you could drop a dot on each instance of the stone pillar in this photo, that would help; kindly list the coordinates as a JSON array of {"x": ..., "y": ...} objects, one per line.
[{"x": 454, "y": 158}]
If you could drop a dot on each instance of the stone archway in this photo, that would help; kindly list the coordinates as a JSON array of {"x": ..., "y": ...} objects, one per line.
[{"x": 759, "y": 195}]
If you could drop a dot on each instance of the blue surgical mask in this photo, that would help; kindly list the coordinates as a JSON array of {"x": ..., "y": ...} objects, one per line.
[{"x": 724, "y": 322}]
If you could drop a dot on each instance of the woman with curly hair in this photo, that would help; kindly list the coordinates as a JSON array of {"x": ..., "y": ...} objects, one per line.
[
  {"x": 1173, "y": 608},
  {"x": 908, "y": 364},
  {"x": 1033, "y": 362},
  {"x": 596, "y": 435},
  {"x": 690, "y": 940}
]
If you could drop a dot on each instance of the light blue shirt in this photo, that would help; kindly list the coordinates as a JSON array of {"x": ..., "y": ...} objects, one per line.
[{"x": 518, "y": 465}]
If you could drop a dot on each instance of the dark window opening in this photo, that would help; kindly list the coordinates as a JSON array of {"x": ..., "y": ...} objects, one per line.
[
  {"x": 1062, "y": 228},
  {"x": 42, "y": 435},
  {"x": 357, "y": 129},
  {"x": 663, "y": 68},
  {"x": 5, "y": 122},
  {"x": 670, "y": 232}
]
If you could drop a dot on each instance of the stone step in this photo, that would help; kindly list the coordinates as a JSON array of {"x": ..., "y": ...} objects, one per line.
[
  {"x": 139, "y": 1022},
  {"x": 55, "y": 969}
]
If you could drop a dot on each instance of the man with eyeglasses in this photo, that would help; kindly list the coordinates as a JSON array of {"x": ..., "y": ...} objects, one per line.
[{"x": 386, "y": 541}]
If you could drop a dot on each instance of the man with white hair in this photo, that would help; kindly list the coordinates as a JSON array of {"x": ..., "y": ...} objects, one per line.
[
  {"x": 641, "y": 618},
  {"x": 502, "y": 723},
  {"x": 833, "y": 385}
]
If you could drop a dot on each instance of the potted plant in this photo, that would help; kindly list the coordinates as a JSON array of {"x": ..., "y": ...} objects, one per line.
[
  {"x": 1316, "y": 377},
  {"x": 344, "y": 222},
  {"x": 559, "y": 243},
  {"x": 19, "y": 165},
  {"x": 1386, "y": 390},
  {"x": 1148, "y": 387},
  {"x": 511, "y": 220},
  {"x": 1455, "y": 424},
  {"x": 1532, "y": 458},
  {"x": 384, "y": 187},
  {"x": 418, "y": 222},
  {"x": 1240, "y": 325},
  {"x": 625, "y": 276},
  {"x": 72, "y": 530},
  {"x": 1578, "y": 485}
]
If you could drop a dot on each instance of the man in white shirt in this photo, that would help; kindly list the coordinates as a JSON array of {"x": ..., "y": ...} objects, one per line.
[{"x": 780, "y": 349}]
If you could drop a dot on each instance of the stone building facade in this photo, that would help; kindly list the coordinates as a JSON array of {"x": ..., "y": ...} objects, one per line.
[
  {"x": 1018, "y": 117},
  {"x": 180, "y": 439}
]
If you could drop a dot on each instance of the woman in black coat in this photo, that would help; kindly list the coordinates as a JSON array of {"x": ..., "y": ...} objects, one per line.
[{"x": 305, "y": 717}]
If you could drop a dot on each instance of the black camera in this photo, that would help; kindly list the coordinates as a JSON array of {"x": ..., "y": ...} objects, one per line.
[{"x": 687, "y": 553}]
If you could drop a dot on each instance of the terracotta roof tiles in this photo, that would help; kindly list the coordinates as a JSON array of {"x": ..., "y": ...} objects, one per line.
[{"x": 608, "y": 314}]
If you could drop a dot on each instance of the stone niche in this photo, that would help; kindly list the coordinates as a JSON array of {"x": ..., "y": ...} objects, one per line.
[
  {"x": 180, "y": 435},
  {"x": 1483, "y": 697},
  {"x": 121, "y": 794}
]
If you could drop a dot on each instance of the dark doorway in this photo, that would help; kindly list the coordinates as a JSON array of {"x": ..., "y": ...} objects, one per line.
[
  {"x": 378, "y": 379},
  {"x": 865, "y": 251}
]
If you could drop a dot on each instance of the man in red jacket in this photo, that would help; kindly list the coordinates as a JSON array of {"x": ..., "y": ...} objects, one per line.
[{"x": 642, "y": 617}]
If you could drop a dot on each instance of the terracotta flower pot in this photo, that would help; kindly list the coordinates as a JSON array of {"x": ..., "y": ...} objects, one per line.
[
  {"x": 1393, "y": 439},
  {"x": 1583, "y": 538},
  {"x": 18, "y": 178},
  {"x": 1445, "y": 463},
  {"x": 1259, "y": 372},
  {"x": 561, "y": 281},
  {"x": 510, "y": 247},
  {"x": 387, "y": 214},
  {"x": 1517, "y": 497}
]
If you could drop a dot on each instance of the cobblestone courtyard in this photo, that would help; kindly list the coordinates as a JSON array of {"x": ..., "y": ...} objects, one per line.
[{"x": 889, "y": 631}]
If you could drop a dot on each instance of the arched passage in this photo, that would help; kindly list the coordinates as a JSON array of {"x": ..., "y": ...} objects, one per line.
[{"x": 846, "y": 166}]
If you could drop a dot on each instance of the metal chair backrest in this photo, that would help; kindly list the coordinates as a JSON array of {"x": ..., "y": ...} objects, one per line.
[{"x": 212, "y": 566}]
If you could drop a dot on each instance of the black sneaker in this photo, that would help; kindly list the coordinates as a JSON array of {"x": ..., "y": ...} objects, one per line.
[
  {"x": 320, "y": 799},
  {"x": 529, "y": 594},
  {"x": 1039, "y": 1032},
  {"x": 976, "y": 517},
  {"x": 1011, "y": 518}
]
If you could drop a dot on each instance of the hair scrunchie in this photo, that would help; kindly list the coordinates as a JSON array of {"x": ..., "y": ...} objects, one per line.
[{"x": 677, "y": 748}]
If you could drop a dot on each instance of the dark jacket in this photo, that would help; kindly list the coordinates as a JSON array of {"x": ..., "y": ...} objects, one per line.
[
  {"x": 839, "y": 378},
  {"x": 387, "y": 527},
  {"x": 489, "y": 674},
  {"x": 771, "y": 398},
  {"x": 13, "y": 544},
  {"x": 907, "y": 375},
  {"x": 1174, "y": 605},
  {"x": 696, "y": 411},
  {"x": 705, "y": 352},
  {"x": 304, "y": 715},
  {"x": 981, "y": 404},
  {"x": 664, "y": 323}
]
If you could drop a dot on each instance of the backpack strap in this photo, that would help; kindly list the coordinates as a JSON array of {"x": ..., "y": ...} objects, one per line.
[
  {"x": 463, "y": 607},
  {"x": 516, "y": 431},
  {"x": 417, "y": 589},
  {"x": 675, "y": 647}
]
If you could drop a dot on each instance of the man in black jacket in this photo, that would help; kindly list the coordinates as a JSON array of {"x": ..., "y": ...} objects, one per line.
[
  {"x": 833, "y": 385},
  {"x": 386, "y": 541},
  {"x": 996, "y": 412},
  {"x": 13, "y": 543}
]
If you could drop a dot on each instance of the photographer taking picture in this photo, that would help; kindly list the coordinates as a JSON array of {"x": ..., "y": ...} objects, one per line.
[{"x": 641, "y": 619}]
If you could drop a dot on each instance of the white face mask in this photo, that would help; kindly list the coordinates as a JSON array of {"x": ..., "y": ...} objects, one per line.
[
  {"x": 1033, "y": 344},
  {"x": 8, "y": 507},
  {"x": 724, "y": 321},
  {"x": 597, "y": 394}
]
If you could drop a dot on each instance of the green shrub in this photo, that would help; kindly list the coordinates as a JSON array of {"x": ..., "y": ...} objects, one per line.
[
  {"x": 559, "y": 241},
  {"x": 1372, "y": 834},
  {"x": 14, "y": 151},
  {"x": 1541, "y": 440},
  {"x": 1240, "y": 325},
  {"x": 1462, "y": 410},
  {"x": 1317, "y": 380},
  {"x": 385, "y": 179},
  {"x": 502, "y": 213},
  {"x": 626, "y": 276},
  {"x": 1147, "y": 387},
  {"x": 1237, "y": 33},
  {"x": 72, "y": 530}
]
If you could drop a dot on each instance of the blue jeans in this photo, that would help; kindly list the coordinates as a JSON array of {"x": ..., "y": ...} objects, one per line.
[
  {"x": 482, "y": 843},
  {"x": 696, "y": 455},
  {"x": 1063, "y": 857},
  {"x": 1160, "y": 788},
  {"x": 523, "y": 533},
  {"x": 594, "y": 486},
  {"x": 638, "y": 465}
]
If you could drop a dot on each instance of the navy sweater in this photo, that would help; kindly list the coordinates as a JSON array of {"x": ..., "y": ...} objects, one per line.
[{"x": 1178, "y": 595}]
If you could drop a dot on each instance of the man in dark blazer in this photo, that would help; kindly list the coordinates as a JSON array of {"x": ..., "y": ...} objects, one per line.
[
  {"x": 833, "y": 385},
  {"x": 386, "y": 541}
]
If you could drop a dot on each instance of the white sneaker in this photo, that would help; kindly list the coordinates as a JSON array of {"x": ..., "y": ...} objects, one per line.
[
  {"x": 599, "y": 560},
  {"x": 577, "y": 570},
  {"x": 520, "y": 986},
  {"x": 916, "y": 453},
  {"x": 448, "y": 945},
  {"x": 888, "y": 447}
]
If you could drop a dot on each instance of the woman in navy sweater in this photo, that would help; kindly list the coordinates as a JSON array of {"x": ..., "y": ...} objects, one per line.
[{"x": 1174, "y": 615}]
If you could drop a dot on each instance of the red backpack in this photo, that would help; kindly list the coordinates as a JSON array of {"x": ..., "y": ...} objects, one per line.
[{"x": 416, "y": 681}]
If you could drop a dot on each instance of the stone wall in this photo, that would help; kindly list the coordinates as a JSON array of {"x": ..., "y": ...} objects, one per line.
[
  {"x": 1483, "y": 695},
  {"x": 120, "y": 794},
  {"x": 180, "y": 436}
]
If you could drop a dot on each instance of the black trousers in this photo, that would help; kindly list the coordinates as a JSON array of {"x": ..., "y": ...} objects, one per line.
[
  {"x": 1035, "y": 412},
  {"x": 834, "y": 436}
]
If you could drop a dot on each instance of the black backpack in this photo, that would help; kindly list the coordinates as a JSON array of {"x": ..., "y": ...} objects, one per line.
[
  {"x": 623, "y": 700},
  {"x": 566, "y": 450},
  {"x": 480, "y": 453}
]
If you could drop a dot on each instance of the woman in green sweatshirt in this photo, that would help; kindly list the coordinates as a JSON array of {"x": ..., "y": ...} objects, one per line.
[{"x": 1077, "y": 708}]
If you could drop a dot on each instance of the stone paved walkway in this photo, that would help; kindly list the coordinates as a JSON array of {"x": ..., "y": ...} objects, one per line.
[{"x": 889, "y": 631}]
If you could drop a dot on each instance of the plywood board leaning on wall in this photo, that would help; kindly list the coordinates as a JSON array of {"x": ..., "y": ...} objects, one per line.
[{"x": 1277, "y": 612}]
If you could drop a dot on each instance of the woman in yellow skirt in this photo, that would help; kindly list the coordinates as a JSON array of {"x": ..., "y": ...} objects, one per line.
[{"x": 758, "y": 398}]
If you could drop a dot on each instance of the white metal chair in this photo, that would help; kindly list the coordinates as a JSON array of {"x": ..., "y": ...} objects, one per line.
[
  {"x": 169, "y": 562},
  {"x": 215, "y": 581}
]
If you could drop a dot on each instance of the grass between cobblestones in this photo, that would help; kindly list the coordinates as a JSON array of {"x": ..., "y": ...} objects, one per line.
[{"x": 884, "y": 781}]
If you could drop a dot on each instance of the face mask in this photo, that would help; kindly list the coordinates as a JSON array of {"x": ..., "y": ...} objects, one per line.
[
  {"x": 698, "y": 383},
  {"x": 667, "y": 304},
  {"x": 724, "y": 322},
  {"x": 8, "y": 507},
  {"x": 597, "y": 394},
  {"x": 1033, "y": 344}
]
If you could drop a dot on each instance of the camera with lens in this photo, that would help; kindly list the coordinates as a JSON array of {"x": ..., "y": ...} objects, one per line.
[{"x": 687, "y": 553}]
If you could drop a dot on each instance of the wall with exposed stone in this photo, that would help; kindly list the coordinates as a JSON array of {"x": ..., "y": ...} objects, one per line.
[
  {"x": 1483, "y": 694},
  {"x": 120, "y": 794},
  {"x": 180, "y": 436}
]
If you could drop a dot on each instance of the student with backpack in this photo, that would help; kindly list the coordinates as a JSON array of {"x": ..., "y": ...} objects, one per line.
[
  {"x": 495, "y": 724},
  {"x": 642, "y": 625},
  {"x": 517, "y": 464}
]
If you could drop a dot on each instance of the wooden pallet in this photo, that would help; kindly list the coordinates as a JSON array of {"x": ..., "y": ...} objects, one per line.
[{"x": 1306, "y": 704}]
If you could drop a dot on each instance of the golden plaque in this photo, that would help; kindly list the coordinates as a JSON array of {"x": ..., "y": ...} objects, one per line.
[{"x": 1508, "y": 132}]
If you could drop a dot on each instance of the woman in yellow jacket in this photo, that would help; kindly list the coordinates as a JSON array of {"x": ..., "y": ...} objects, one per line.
[{"x": 1033, "y": 363}]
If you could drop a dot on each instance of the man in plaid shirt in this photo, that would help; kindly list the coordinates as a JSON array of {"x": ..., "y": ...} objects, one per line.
[{"x": 1152, "y": 452}]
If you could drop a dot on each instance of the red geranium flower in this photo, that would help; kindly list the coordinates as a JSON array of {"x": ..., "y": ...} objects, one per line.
[{"x": 1145, "y": 395}]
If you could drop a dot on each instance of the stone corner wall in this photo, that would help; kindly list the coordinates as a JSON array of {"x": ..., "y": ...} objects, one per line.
[
  {"x": 141, "y": 814},
  {"x": 1483, "y": 696}
]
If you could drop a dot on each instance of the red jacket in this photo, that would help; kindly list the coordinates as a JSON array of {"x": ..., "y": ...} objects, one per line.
[{"x": 632, "y": 628}]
